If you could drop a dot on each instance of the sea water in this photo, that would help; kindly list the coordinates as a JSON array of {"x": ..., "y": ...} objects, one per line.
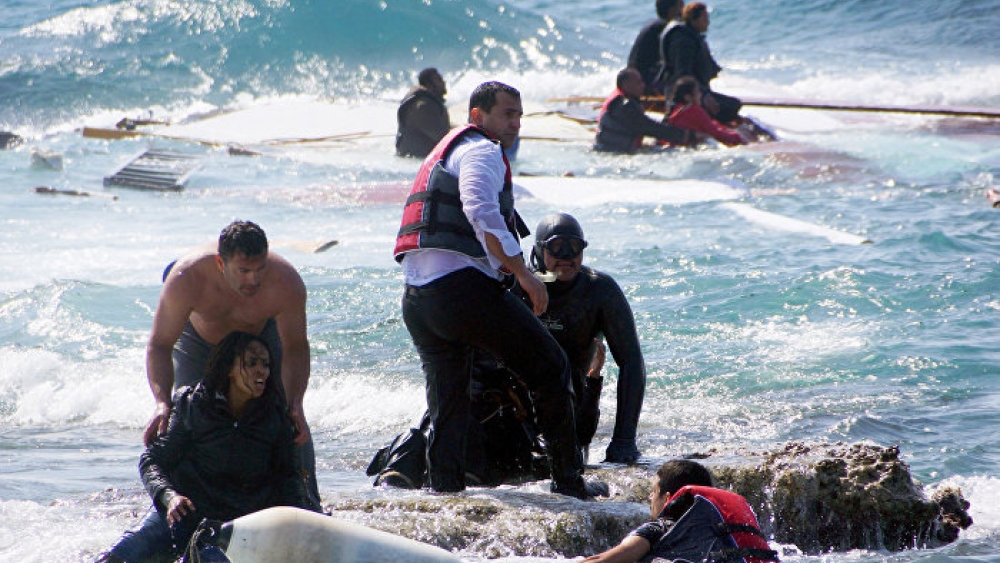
[{"x": 753, "y": 335}]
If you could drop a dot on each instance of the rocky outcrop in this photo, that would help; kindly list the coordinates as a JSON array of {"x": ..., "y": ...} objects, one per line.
[
  {"x": 841, "y": 497},
  {"x": 817, "y": 498}
]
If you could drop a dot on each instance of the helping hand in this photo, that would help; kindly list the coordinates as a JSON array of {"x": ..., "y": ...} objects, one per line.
[
  {"x": 157, "y": 425},
  {"x": 299, "y": 421},
  {"x": 536, "y": 291}
]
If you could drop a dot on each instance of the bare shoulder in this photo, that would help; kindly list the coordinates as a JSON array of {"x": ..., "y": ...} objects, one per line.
[
  {"x": 288, "y": 280},
  {"x": 191, "y": 270}
]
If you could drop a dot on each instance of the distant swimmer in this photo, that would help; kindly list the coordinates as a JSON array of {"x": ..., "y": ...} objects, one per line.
[
  {"x": 646, "y": 50},
  {"x": 686, "y": 53},
  {"x": 623, "y": 122},
  {"x": 422, "y": 116}
]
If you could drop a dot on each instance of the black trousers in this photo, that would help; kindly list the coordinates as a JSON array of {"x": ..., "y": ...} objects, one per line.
[{"x": 447, "y": 319}]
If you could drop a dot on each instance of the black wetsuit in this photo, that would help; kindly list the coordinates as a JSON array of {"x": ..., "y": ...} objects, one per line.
[
  {"x": 686, "y": 53},
  {"x": 645, "y": 53},
  {"x": 502, "y": 438},
  {"x": 592, "y": 305}
]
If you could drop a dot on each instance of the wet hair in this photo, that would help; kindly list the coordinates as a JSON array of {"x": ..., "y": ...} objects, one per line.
[
  {"x": 624, "y": 75},
  {"x": 226, "y": 354},
  {"x": 664, "y": 7},
  {"x": 693, "y": 11},
  {"x": 484, "y": 96},
  {"x": 242, "y": 237},
  {"x": 678, "y": 473},
  {"x": 426, "y": 75},
  {"x": 685, "y": 86}
]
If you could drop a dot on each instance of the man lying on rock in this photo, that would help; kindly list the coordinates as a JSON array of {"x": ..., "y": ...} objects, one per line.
[{"x": 692, "y": 521}]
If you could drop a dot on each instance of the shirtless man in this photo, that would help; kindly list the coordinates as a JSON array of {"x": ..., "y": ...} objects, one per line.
[{"x": 208, "y": 294}]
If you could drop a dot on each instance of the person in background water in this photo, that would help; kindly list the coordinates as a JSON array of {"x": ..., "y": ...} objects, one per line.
[
  {"x": 239, "y": 285},
  {"x": 458, "y": 239},
  {"x": 228, "y": 451},
  {"x": 688, "y": 114},
  {"x": 623, "y": 122},
  {"x": 584, "y": 306},
  {"x": 692, "y": 521},
  {"x": 422, "y": 116},
  {"x": 646, "y": 51},
  {"x": 686, "y": 53}
]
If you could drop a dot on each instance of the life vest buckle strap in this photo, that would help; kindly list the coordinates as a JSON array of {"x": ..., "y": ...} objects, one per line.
[
  {"x": 726, "y": 528},
  {"x": 436, "y": 196}
]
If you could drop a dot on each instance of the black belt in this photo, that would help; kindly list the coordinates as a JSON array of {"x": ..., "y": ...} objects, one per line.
[{"x": 453, "y": 281}]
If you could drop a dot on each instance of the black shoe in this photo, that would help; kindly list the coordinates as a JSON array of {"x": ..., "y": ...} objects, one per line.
[
  {"x": 583, "y": 490},
  {"x": 597, "y": 488}
]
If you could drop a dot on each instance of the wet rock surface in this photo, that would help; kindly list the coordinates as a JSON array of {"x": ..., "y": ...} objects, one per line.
[{"x": 815, "y": 497}]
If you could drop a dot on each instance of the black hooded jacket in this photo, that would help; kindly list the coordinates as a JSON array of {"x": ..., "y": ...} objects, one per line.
[{"x": 228, "y": 467}]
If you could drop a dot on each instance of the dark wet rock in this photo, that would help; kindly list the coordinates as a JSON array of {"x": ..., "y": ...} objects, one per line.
[
  {"x": 846, "y": 496},
  {"x": 9, "y": 140},
  {"x": 816, "y": 497}
]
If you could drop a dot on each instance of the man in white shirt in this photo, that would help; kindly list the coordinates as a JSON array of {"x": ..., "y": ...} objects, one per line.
[{"x": 458, "y": 240}]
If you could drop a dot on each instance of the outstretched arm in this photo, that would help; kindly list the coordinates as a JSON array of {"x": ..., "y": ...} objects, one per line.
[
  {"x": 632, "y": 548},
  {"x": 623, "y": 340}
]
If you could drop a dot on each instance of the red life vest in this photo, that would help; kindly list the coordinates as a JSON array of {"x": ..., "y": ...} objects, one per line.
[
  {"x": 433, "y": 216},
  {"x": 715, "y": 525}
]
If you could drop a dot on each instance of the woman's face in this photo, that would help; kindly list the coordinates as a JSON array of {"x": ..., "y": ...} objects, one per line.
[{"x": 248, "y": 377}]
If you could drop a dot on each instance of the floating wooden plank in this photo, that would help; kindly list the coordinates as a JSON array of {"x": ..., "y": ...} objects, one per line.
[
  {"x": 988, "y": 113},
  {"x": 309, "y": 247},
  {"x": 155, "y": 170},
  {"x": 56, "y": 191}
]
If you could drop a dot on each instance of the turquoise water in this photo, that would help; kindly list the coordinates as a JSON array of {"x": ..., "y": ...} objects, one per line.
[{"x": 753, "y": 335}]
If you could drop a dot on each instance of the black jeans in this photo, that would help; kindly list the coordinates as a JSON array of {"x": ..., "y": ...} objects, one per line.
[{"x": 466, "y": 309}]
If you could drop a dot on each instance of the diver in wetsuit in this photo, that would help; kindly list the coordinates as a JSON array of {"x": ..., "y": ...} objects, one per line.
[{"x": 584, "y": 306}]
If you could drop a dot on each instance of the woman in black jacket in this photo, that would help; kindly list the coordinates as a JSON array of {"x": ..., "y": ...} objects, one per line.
[{"x": 227, "y": 452}]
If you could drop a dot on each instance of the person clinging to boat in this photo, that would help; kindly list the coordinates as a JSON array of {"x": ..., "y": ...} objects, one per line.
[
  {"x": 422, "y": 116},
  {"x": 687, "y": 112},
  {"x": 586, "y": 307},
  {"x": 692, "y": 521},
  {"x": 623, "y": 124},
  {"x": 458, "y": 242},
  {"x": 238, "y": 285},
  {"x": 228, "y": 451}
]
